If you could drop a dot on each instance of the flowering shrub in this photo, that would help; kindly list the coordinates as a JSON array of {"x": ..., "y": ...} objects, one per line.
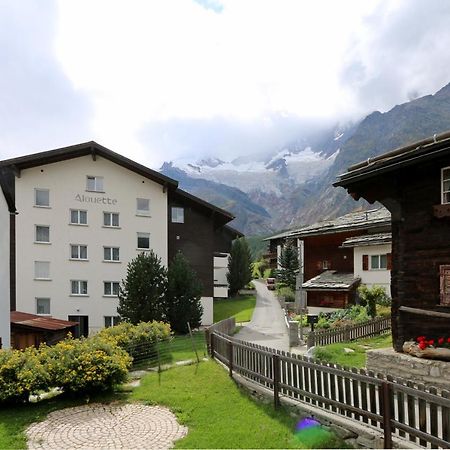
[{"x": 423, "y": 342}]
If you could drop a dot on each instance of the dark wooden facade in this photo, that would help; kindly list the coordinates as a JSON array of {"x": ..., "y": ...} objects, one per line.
[
  {"x": 408, "y": 182},
  {"x": 330, "y": 299},
  {"x": 203, "y": 233}
]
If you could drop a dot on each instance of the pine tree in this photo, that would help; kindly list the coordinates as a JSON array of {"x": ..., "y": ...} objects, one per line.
[
  {"x": 239, "y": 266},
  {"x": 289, "y": 265},
  {"x": 184, "y": 290},
  {"x": 142, "y": 293}
]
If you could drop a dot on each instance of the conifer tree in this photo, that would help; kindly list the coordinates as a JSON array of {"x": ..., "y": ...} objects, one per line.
[
  {"x": 239, "y": 266},
  {"x": 142, "y": 293},
  {"x": 289, "y": 265},
  {"x": 184, "y": 290}
]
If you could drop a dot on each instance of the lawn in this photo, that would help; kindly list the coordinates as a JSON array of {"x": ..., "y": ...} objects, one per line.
[
  {"x": 220, "y": 415},
  {"x": 335, "y": 353},
  {"x": 240, "y": 307}
]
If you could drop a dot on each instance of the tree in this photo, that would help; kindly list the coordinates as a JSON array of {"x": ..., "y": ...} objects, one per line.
[
  {"x": 370, "y": 297},
  {"x": 142, "y": 293},
  {"x": 289, "y": 265},
  {"x": 184, "y": 290},
  {"x": 239, "y": 266}
]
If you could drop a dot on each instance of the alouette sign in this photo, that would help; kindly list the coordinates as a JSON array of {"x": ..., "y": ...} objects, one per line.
[{"x": 101, "y": 200}]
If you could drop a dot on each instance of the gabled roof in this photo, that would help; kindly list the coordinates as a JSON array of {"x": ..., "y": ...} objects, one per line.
[
  {"x": 40, "y": 322},
  {"x": 86, "y": 148},
  {"x": 367, "y": 240},
  {"x": 353, "y": 221},
  {"x": 332, "y": 280},
  {"x": 430, "y": 148}
]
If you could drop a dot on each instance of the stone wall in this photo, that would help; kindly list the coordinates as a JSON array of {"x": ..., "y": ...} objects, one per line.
[{"x": 401, "y": 365}]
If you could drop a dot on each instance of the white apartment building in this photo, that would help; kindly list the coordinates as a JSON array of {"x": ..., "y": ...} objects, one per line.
[{"x": 84, "y": 212}]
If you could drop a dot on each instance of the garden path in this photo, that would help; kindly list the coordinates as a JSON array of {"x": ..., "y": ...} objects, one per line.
[
  {"x": 267, "y": 326},
  {"x": 114, "y": 426}
]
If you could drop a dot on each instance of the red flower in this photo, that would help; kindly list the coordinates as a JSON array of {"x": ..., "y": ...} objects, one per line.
[
  {"x": 431, "y": 342},
  {"x": 448, "y": 340},
  {"x": 441, "y": 340},
  {"x": 422, "y": 345},
  {"x": 421, "y": 338}
]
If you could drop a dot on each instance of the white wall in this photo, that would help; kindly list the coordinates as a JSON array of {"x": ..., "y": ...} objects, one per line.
[
  {"x": 208, "y": 307},
  {"x": 371, "y": 277},
  {"x": 5, "y": 332},
  {"x": 66, "y": 180}
]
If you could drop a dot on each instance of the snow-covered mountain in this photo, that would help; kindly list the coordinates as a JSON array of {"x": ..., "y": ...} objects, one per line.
[{"x": 270, "y": 175}]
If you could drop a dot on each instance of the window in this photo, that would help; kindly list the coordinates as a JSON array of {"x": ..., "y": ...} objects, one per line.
[
  {"x": 42, "y": 233},
  {"x": 42, "y": 197},
  {"x": 445, "y": 285},
  {"x": 143, "y": 241},
  {"x": 78, "y": 217},
  {"x": 326, "y": 265},
  {"x": 94, "y": 184},
  {"x": 177, "y": 214},
  {"x": 111, "y": 288},
  {"x": 378, "y": 262},
  {"x": 42, "y": 305},
  {"x": 111, "y": 254},
  {"x": 110, "y": 219},
  {"x": 78, "y": 251},
  {"x": 41, "y": 270},
  {"x": 110, "y": 321},
  {"x": 445, "y": 176},
  {"x": 78, "y": 287},
  {"x": 143, "y": 206}
]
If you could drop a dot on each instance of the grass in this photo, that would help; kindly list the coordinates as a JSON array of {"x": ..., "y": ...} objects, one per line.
[
  {"x": 335, "y": 353},
  {"x": 240, "y": 307},
  {"x": 220, "y": 415}
]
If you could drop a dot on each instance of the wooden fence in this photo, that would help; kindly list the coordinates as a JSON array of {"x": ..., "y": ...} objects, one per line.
[
  {"x": 349, "y": 333},
  {"x": 395, "y": 406}
]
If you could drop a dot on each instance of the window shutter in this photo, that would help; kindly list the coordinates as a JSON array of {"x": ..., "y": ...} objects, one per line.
[
  {"x": 365, "y": 262},
  {"x": 445, "y": 285},
  {"x": 389, "y": 261}
]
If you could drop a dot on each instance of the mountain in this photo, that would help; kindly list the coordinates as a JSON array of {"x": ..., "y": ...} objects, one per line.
[{"x": 293, "y": 185}]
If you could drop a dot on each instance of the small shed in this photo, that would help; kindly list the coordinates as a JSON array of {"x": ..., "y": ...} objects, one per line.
[
  {"x": 413, "y": 182},
  {"x": 30, "y": 329}
]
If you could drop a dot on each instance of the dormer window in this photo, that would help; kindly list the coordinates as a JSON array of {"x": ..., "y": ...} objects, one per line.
[
  {"x": 445, "y": 185},
  {"x": 94, "y": 184}
]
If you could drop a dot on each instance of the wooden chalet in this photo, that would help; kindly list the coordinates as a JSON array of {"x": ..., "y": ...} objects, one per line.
[{"x": 413, "y": 183}]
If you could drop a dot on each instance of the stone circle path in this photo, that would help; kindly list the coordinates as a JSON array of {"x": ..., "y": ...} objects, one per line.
[{"x": 109, "y": 426}]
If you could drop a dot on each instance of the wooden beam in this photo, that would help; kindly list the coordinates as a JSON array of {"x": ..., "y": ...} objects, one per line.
[{"x": 424, "y": 312}]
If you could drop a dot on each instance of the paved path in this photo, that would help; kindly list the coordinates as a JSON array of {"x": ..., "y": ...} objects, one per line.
[
  {"x": 267, "y": 326},
  {"x": 111, "y": 426}
]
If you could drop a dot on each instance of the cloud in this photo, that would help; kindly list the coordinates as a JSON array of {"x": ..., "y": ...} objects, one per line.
[
  {"x": 39, "y": 109},
  {"x": 400, "y": 54}
]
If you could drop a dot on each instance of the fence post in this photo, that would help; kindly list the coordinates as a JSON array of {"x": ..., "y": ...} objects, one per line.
[
  {"x": 208, "y": 341},
  {"x": 230, "y": 358},
  {"x": 212, "y": 344},
  {"x": 310, "y": 341},
  {"x": 386, "y": 402},
  {"x": 276, "y": 380}
]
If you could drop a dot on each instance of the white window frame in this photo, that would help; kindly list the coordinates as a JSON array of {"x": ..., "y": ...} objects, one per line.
[
  {"x": 78, "y": 222},
  {"x": 142, "y": 235},
  {"x": 37, "y": 308},
  {"x": 111, "y": 258},
  {"x": 78, "y": 248},
  {"x": 111, "y": 288},
  {"x": 98, "y": 183},
  {"x": 177, "y": 214},
  {"x": 142, "y": 212},
  {"x": 78, "y": 292},
  {"x": 114, "y": 320},
  {"x": 111, "y": 215},
  {"x": 36, "y": 190},
  {"x": 371, "y": 267},
  {"x": 36, "y": 234},
  {"x": 36, "y": 277},
  {"x": 443, "y": 192}
]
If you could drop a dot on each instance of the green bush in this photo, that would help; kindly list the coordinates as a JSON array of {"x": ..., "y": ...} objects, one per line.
[
  {"x": 268, "y": 273},
  {"x": 286, "y": 292},
  {"x": 22, "y": 372},
  {"x": 86, "y": 365},
  {"x": 323, "y": 323},
  {"x": 370, "y": 297}
]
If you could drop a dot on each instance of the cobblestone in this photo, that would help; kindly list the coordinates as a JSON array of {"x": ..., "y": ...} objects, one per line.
[{"x": 112, "y": 426}]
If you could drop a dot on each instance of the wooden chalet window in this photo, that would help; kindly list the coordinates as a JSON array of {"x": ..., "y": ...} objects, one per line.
[
  {"x": 445, "y": 285},
  {"x": 377, "y": 262},
  {"x": 445, "y": 185}
]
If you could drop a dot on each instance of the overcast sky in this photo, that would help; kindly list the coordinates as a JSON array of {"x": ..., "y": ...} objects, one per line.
[{"x": 158, "y": 80}]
